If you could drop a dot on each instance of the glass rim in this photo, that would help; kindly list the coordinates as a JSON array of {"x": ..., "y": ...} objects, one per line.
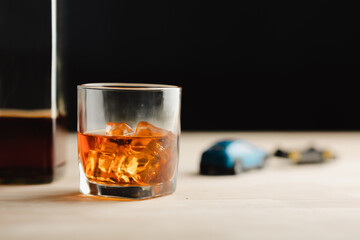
[{"x": 127, "y": 86}]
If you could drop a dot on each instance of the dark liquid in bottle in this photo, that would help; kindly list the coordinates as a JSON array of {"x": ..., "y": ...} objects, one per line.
[{"x": 32, "y": 149}]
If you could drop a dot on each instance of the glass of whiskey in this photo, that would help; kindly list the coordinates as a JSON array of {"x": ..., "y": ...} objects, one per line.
[{"x": 128, "y": 139}]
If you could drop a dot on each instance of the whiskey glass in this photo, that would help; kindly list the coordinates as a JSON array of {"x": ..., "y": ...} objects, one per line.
[{"x": 128, "y": 139}]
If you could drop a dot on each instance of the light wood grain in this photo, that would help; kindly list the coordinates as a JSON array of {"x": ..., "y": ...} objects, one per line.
[{"x": 282, "y": 201}]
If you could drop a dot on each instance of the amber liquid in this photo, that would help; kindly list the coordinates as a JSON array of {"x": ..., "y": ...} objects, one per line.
[
  {"x": 134, "y": 161},
  {"x": 32, "y": 149}
]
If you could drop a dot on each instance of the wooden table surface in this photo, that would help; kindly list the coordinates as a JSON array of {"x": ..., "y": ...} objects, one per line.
[{"x": 282, "y": 201}]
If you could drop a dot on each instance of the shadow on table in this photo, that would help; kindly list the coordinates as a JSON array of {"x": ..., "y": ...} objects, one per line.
[
  {"x": 71, "y": 196},
  {"x": 197, "y": 174}
]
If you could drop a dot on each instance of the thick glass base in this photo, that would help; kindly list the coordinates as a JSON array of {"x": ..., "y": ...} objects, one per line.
[{"x": 125, "y": 192}]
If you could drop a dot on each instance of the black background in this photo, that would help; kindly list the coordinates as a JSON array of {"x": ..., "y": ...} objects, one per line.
[{"x": 243, "y": 65}]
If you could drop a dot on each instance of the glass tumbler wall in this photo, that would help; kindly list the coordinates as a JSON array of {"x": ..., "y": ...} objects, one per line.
[
  {"x": 32, "y": 113},
  {"x": 128, "y": 139}
]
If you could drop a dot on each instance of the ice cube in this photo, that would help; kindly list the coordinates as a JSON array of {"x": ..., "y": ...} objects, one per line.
[
  {"x": 153, "y": 155},
  {"x": 166, "y": 150},
  {"x": 118, "y": 129},
  {"x": 103, "y": 168},
  {"x": 149, "y": 163},
  {"x": 157, "y": 149},
  {"x": 119, "y": 167},
  {"x": 91, "y": 164},
  {"x": 104, "y": 163},
  {"x": 142, "y": 167},
  {"x": 98, "y": 165},
  {"x": 145, "y": 129},
  {"x": 106, "y": 146}
]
